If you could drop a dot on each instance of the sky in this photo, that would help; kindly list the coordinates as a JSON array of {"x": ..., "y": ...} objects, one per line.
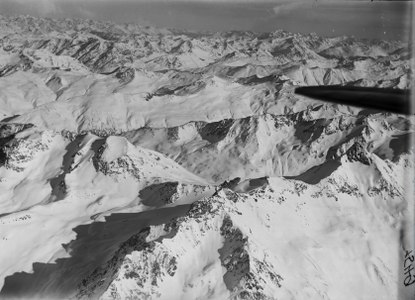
[{"x": 360, "y": 18}]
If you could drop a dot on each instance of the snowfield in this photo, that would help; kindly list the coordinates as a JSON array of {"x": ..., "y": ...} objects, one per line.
[{"x": 144, "y": 163}]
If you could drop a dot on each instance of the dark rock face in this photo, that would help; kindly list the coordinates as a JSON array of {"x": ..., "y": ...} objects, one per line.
[
  {"x": 125, "y": 75},
  {"x": 58, "y": 183},
  {"x": 233, "y": 255},
  {"x": 7, "y": 140},
  {"x": 357, "y": 153},
  {"x": 215, "y": 132},
  {"x": 401, "y": 144},
  {"x": 158, "y": 194}
]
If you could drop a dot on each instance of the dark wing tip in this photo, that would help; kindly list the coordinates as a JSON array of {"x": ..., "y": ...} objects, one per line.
[{"x": 390, "y": 100}]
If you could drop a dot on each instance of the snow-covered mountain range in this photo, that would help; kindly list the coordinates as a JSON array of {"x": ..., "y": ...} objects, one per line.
[{"x": 144, "y": 163}]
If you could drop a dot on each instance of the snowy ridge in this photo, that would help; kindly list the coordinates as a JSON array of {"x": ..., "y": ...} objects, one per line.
[
  {"x": 97, "y": 182},
  {"x": 178, "y": 259},
  {"x": 151, "y": 72}
]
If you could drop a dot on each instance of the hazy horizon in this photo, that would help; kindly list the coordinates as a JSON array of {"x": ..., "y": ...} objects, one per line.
[{"x": 388, "y": 20}]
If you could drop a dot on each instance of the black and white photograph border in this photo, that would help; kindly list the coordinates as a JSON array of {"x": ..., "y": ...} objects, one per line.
[{"x": 224, "y": 149}]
